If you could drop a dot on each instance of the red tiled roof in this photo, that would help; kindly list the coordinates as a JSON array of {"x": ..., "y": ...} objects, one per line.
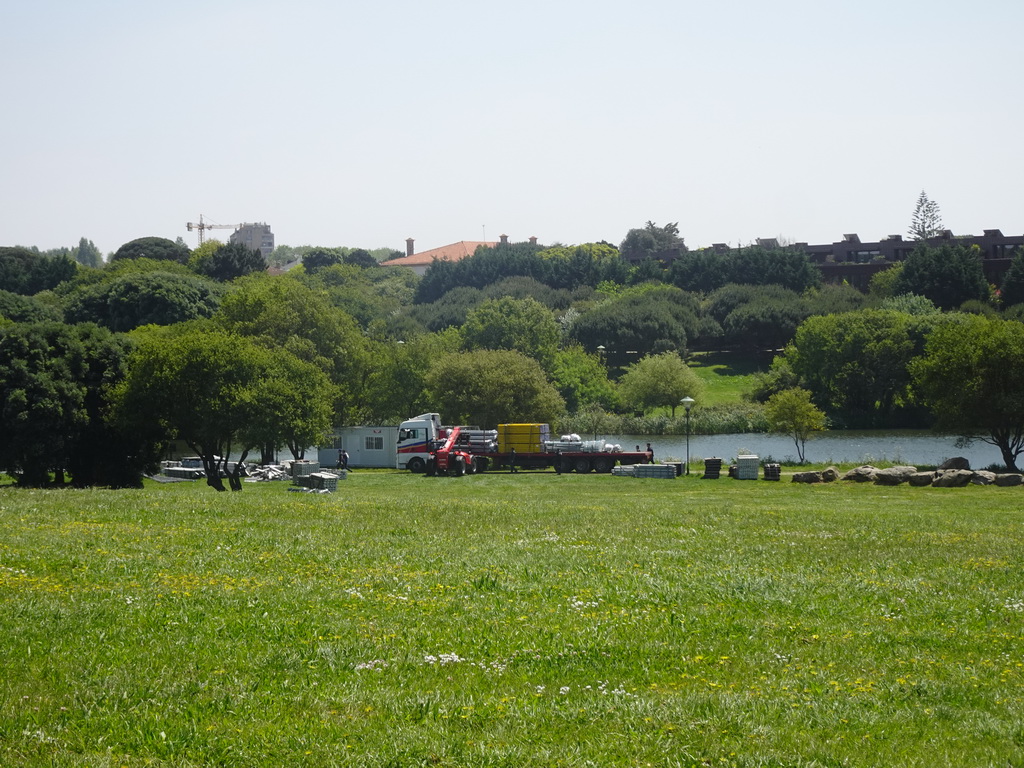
[{"x": 453, "y": 252}]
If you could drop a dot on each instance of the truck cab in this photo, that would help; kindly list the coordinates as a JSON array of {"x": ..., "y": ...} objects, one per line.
[{"x": 417, "y": 440}]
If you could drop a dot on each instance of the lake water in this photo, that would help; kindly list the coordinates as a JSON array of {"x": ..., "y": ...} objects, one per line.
[
  {"x": 901, "y": 447},
  {"x": 919, "y": 448}
]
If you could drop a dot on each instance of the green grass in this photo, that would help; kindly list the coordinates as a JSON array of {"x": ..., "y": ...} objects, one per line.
[
  {"x": 726, "y": 375},
  {"x": 504, "y": 620}
]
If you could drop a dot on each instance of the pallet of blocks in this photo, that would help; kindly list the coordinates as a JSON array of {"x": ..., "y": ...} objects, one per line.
[
  {"x": 712, "y": 468},
  {"x": 659, "y": 471},
  {"x": 304, "y": 468}
]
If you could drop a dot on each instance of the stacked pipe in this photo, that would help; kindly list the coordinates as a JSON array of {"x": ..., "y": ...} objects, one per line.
[{"x": 479, "y": 440}]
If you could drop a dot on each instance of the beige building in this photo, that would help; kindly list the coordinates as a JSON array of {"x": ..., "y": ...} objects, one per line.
[{"x": 257, "y": 237}]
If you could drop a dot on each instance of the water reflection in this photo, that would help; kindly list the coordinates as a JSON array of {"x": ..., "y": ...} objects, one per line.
[{"x": 898, "y": 446}]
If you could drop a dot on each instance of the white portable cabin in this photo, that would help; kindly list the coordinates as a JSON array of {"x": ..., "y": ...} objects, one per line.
[{"x": 366, "y": 446}]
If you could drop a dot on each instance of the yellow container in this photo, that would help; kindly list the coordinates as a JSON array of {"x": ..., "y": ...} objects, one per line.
[{"x": 524, "y": 438}]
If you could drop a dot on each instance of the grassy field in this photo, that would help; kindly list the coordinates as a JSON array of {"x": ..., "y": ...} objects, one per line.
[
  {"x": 727, "y": 376},
  {"x": 500, "y": 620}
]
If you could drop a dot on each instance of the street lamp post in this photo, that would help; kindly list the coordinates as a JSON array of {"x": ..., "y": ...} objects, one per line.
[{"x": 687, "y": 403}]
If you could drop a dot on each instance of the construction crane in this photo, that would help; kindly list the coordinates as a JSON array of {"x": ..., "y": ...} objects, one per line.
[{"x": 202, "y": 226}]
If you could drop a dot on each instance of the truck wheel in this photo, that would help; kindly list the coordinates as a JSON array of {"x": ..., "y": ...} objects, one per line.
[
  {"x": 416, "y": 464},
  {"x": 582, "y": 465},
  {"x": 482, "y": 464},
  {"x": 603, "y": 464},
  {"x": 458, "y": 468},
  {"x": 431, "y": 468},
  {"x": 566, "y": 465}
]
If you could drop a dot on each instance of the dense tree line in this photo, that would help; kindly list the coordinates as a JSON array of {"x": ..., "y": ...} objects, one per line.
[
  {"x": 564, "y": 268},
  {"x": 28, "y": 272},
  {"x": 707, "y": 270},
  {"x": 206, "y": 347}
]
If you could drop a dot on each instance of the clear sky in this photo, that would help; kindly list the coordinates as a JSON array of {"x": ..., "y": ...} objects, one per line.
[{"x": 363, "y": 123}]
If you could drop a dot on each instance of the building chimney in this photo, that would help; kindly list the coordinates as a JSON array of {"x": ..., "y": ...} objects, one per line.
[
  {"x": 533, "y": 239},
  {"x": 409, "y": 246},
  {"x": 504, "y": 239}
]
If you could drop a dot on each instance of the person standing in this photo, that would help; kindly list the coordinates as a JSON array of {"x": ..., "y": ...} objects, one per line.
[{"x": 512, "y": 461}]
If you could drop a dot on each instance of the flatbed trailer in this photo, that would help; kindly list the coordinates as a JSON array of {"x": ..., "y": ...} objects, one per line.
[
  {"x": 580, "y": 462},
  {"x": 424, "y": 445}
]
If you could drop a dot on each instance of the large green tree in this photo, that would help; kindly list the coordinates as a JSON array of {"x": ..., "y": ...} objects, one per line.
[
  {"x": 487, "y": 387},
  {"x": 296, "y": 406},
  {"x": 396, "y": 385},
  {"x": 26, "y": 271},
  {"x": 659, "y": 381},
  {"x": 972, "y": 377},
  {"x": 142, "y": 298},
  {"x": 159, "y": 248},
  {"x": 197, "y": 385},
  {"x": 360, "y": 257},
  {"x": 53, "y": 380},
  {"x": 373, "y": 296},
  {"x": 582, "y": 379},
  {"x": 757, "y": 317},
  {"x": 524, "y": 325},
  {"x": 229, "y": 262},
  {"x": 87, "y": 254},
  {"x": 320, "y": 258},
  {"x": 1012, "y": 290},
  {"x": 26, "y": 309},
  {"x": 280, "y": 311},
  {"x": 531, "y": 288},
  {"x": 451, "y": 310},
  {"x": 640, "y": 321},
  {"x": 589, "y": 264},
  {"x": 220, "y": 393},
  {"x": 856, "y": 364},
  {"x": 651, "y": 240},
  {"x": 926, "y": 221},
  {"x": 948, "y": 275}
]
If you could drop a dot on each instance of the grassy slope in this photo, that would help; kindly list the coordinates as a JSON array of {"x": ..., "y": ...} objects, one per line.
[
  {"x": 513, "y": 620},
  {"x": 726, "y": 375}
]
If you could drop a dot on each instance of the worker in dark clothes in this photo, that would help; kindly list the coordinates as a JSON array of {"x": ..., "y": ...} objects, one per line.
[
  {"x": 512, "y": 461},
  {"x": 650, "y": 451}
]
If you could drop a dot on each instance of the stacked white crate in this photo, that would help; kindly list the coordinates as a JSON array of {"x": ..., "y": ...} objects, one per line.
[{"x": 746, "y": 467}]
